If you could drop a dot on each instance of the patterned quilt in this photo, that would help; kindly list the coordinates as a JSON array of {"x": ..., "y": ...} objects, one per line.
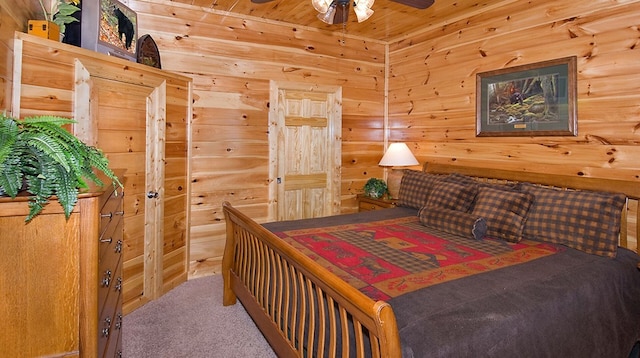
[{"x": 388, "y": 258}]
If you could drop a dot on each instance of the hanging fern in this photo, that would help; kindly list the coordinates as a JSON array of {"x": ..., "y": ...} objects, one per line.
[{"x": 39, "y": 154}]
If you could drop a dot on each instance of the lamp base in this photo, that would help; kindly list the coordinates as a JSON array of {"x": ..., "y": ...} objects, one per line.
[{"x": 394, "y": 177}]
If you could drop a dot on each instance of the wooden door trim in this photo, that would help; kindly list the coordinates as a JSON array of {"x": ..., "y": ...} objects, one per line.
[
  {"x": 154, "y": 210},
  {"x": 334, "y": 131}
]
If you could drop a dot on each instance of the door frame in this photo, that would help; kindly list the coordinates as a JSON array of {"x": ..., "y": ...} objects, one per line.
[{"x": 334, "y": 111}]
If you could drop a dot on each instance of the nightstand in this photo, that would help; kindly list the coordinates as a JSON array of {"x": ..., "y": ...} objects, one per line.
[{"x": 366, "y": 203}]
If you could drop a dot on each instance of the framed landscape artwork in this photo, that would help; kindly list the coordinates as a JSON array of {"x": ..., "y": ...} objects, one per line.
[{"x": 530, "y": 100}]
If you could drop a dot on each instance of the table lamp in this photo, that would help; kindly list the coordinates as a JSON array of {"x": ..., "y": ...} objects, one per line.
[{"x": 397, "y": 155}]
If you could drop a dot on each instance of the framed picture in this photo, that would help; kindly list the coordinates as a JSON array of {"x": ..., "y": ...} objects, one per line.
[{"x": 531, "y": 100}]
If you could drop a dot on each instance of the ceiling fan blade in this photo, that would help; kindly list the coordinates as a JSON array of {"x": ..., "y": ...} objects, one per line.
[
  {"x": 260, "y": 1},
  {"x": 419, "y": 4}
]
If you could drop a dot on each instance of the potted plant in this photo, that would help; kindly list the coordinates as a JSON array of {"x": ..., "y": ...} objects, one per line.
[
  {"x": 375, "y": 188},
  {"x": 56, "y": 17},
  {"x": 39, "y": 156}
]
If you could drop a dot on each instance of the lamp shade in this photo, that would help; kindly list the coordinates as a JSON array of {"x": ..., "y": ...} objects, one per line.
[{"x": 398, "y": 155}]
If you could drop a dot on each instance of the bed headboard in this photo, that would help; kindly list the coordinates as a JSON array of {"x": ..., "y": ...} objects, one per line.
[{"x": 629, "y": 228}]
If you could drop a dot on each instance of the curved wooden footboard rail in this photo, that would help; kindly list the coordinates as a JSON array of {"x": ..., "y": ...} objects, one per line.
[{"x": 302, "y": 309}]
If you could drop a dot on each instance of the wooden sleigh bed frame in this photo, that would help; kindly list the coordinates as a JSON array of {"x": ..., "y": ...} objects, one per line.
[{"x": 288, "y": 294}]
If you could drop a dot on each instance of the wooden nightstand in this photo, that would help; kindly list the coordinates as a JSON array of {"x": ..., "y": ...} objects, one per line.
[{"x": 366, "y": 203}]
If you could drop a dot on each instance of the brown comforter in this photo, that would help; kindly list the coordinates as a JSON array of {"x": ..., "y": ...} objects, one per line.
[{"x": 563, "y": 303}]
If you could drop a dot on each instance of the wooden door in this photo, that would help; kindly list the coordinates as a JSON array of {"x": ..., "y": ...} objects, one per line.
[
  {"x": 307, "y": 152},
  {"x": 128, "y": 132}
]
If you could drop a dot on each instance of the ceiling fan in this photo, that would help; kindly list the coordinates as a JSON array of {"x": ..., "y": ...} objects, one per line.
[{"x": 337, "y": 11}]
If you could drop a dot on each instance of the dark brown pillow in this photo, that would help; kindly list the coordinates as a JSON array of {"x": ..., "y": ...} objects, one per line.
[
  {"x": 454, "y": 222},
  {"x": 585, "y": 220},
  {"x": 505, "y": 211},
  {"x": 415, "y": 188},
  {"x": 452, "y": 195},
  {"x": 460, "y": 178}
]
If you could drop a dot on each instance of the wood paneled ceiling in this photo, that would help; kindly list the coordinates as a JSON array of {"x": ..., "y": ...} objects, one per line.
[{"x": 391, "y": 21}]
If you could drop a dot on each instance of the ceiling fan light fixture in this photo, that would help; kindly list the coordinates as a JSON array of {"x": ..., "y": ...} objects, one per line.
[
  {"x": 328, "y": 16},
  {"x": 321, "y": 6},
  {"x": 362, "y": 13},
  {"x": 364, "y": 3}
]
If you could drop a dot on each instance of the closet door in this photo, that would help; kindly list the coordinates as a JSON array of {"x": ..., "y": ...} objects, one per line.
[
  {"x": 134, "y": 131},
  {"x": 130, "y": 129}
]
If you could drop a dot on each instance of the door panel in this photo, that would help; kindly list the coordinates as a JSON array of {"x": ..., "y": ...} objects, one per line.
[
  {"x": 306, "y": 147},
  {"x": 124, "y": 140}
]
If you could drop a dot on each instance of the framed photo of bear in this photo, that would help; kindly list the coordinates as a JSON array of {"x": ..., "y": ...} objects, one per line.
[{"x": 536, "y": 99}]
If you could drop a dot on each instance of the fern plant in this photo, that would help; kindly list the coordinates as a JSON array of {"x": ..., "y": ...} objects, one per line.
[{"x": 38, "y": 155}]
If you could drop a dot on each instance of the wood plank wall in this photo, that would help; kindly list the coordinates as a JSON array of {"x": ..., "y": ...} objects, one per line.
[
  {"x": 12, "y": 18},
  {"x": 231, "y": 61},
  {"x": 432, "y": 93}
]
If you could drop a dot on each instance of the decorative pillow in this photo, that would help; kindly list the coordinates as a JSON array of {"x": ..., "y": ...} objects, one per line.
[
  {"x": 454, "y": 222},
  {"x": 452, "y": 196},
  {"x": 505, "y": 211},
  {"x": 415, "y": 188},
  {"x": 460, "y": 178},
  {"x": 585, "y": 220}
]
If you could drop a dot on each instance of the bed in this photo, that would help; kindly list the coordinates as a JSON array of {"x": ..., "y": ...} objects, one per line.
[{"x": 473, "y": 262}]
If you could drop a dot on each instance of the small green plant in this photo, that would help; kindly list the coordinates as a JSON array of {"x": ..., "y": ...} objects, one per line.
[
  {"x": 38, "y": 155},
  {"x": 61, "y": 12},
  {"x": 375, "y": 188}
]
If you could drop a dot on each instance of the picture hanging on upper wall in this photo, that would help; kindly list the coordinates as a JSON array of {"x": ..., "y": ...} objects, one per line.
[{"x": 537, "y": 99}]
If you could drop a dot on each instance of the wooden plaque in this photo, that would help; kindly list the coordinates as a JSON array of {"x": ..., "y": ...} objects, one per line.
[{"x": 147, "y": 52}]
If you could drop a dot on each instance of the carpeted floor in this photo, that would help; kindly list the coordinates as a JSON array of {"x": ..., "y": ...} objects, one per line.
[{"x": 190, "y": 321}]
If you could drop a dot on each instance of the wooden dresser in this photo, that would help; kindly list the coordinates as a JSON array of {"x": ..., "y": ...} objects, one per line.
[
  {"x": 60, "y": 280},
  {"x": 367, "y": 203}
]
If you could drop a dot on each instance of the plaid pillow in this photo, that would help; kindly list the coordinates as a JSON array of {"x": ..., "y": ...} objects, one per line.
[
  {"x": 454, "y": 222},
  {"x": 460, "y": 178},
  {"x": 452, "y": 196},
  {"x": 505, "y": 211},
  {"x": 585, "y": 220},
  {"x": 415, "y": 188}
]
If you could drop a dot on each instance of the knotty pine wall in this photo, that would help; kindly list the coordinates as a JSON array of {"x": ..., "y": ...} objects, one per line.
[
  {"x": 432, "y": 87},
  {"x": 12, "y": 18},
  {"x": 231, "y": 61},
  {"x": 431, "y": 95}
]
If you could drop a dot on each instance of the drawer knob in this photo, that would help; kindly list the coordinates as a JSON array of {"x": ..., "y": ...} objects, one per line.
[
  {"x": 106, "y": 280},
  {"x": 118, "y": 248},
  {"x": 106, "y": 241},
  {"x": 118, "y": 286},
  {"x": 107, "y": 327},
  {"x": 119, "y": 321}
]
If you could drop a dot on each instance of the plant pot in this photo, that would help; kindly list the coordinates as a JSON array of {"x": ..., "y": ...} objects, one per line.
[{"x": 43, "y": 28}]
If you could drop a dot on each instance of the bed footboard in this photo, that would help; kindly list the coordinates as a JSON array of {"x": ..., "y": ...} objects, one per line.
[{"x": 302, "y": 309}]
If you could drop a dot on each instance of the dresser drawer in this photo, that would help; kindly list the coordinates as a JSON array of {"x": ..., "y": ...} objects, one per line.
[
  {"x": 110, "y": 331},
  {"x": 111, "y": 242},
  {"x": 366, "y": 206},
  {"x": 111, "y": 210},
  {"x": 366, "y": 203},
  {"x": 110, "y": 286}
]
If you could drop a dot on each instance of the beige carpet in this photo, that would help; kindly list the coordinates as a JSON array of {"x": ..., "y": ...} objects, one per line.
[{"x": 190, "y": 321}]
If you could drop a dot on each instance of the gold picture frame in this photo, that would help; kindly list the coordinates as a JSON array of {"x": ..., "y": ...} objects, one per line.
[{"x": 536, "y": 99}]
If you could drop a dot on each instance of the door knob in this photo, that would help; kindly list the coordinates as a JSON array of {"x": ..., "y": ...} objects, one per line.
[{"x": 152, "y": 194}]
